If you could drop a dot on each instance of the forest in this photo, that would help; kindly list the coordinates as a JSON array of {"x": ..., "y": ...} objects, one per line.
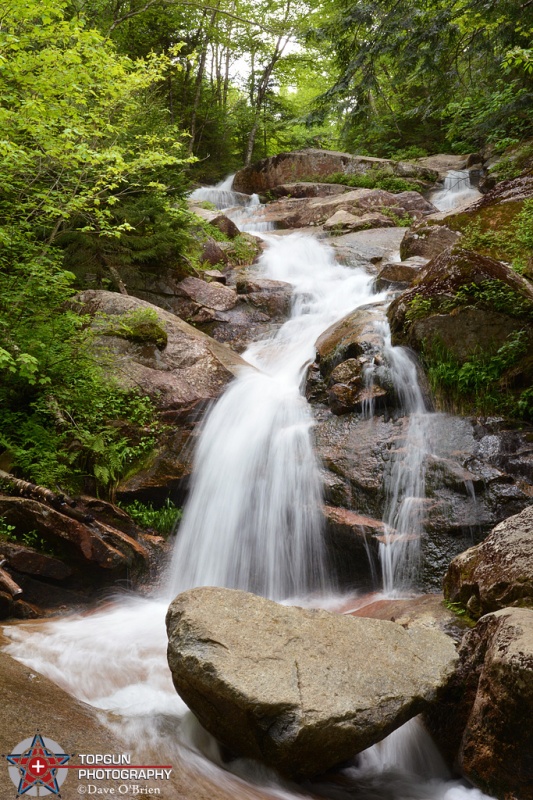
[
  {"x": 111, "y": 112},
  {"x": 266, "y": 379}
]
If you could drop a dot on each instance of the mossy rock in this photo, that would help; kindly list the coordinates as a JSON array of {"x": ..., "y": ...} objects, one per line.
[{"x": 471, "y": 319}]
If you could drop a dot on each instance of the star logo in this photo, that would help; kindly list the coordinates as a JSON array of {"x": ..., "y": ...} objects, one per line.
[{"x": 36, "y": 767}]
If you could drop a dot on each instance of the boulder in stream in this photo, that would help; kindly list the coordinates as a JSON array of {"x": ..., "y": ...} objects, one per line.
[
  {"x": 313, "y": 164},
  {"x": 483, "y": 721},
  {"x": 299, "y": 689},
  {"x": 496, "y": 573}
]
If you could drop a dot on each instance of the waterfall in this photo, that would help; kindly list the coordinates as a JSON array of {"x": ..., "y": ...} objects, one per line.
[
  {"x": 221, "y": 196},
  {"x": 253, "y": 521},
  {"x": 405, "y": 481},
  {"x": 457, "y": 191}
]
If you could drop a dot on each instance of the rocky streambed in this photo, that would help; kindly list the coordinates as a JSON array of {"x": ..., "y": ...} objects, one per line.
[{"x": 278, "y": 683}]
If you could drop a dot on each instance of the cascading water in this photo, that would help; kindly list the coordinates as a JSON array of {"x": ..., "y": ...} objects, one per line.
[
  {"x": 240, "y": 208},
  {"x": 405, "y": 482},
  {"x": 261, "y": 529},
  {"x": 457, "y": 191},
  {"x": 221, "y": 196},
  {"x": 253, "y": 521}
]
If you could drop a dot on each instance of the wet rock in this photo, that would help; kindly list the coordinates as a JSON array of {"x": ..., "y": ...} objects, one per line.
[
  {"x": 349, "y": 359},
  {"x": 427, "y": 610},
  {"x": 31, "y": 562},
  {"x": 483, "y": 721},
  {"x": 274, "y": 298},
  {"x": 496, "y": 573},
  {"x": 90, "y": 542},
  {"x": 298, "y": 689},
  {"x": 312, "y": 164},
  {"x": 478, "y": 473},
  {"x": 365, "y": 248},
  {"x": 344, "y": 221},
  {"x": 349, "y": 389},
  {"x": 225, "y": 225},
  {"x": 308, "y": 189},
  {"x": 399, "y": 274},
  {"x": 351, "y": 542},
  {"x": 432, "y": 314},
  {"x": 427, "y": 240}
]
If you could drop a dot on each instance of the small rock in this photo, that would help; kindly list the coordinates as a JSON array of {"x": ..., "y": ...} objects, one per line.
[
  {"x": 427, "y": 240},
  {"x": 225, "y": 225}
]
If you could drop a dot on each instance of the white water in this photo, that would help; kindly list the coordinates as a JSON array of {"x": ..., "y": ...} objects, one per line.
[
  {"x": 253, "y": 521},
  {"x": 457, "y": 191},
  {"x": 405, "y": 483},
  {"x": 221, "y": 196},
  {"x": 244, "y": 209}
]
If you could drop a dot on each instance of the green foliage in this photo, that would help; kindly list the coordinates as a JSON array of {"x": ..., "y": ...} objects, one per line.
[
  {"x": 460, "y": 611},
  {"x": 92, "y": 176},
  {"x": 508, "y": 241},
  {"x": 163, "y": 520},
  {"x": 32, "y": 539},
  {"x": 436, "y": 74},
  {"x": 139, "y": 325},
  {"x": 496, "y": 295},
  {"x": 479, "y": 384},
  {"x": 419, "y": 307},
  {"x": 7, "y": 531},
  {"x": 374, "y": 179}
]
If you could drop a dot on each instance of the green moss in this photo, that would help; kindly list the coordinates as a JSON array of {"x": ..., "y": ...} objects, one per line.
[
  {"x": 460, "y": 611},
  {"x": 503, "y": 231},
  {"x": 373, "y": 179},
  {"x": 141, "y": 326},
  {"x": 483, "y": 384}
]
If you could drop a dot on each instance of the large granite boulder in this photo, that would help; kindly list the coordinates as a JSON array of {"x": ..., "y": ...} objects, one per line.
[
  {"x": 191, "y": 369},
  {"x": 465, "y": 304},
  {"x": 299, "y": 689},
  {"x": 313, "y": 164},
  {"x": 498, "y": 572},
  {"x": 181, "y": 377},
  {"x": 483, "y": 722}
]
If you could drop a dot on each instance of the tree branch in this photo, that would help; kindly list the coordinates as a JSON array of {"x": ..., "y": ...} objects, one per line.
[{"x": 200, "y": 6}]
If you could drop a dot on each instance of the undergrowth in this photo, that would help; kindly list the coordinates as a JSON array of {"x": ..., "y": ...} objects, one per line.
[
  {"x": 163, "y": 519},
  {"x": 374, "y": 179},
  {"x": 480, "y": 384}
]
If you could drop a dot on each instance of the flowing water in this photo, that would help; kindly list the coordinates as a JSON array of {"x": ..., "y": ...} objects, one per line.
[
  {"x": 253, "y": 521},
  {"x": 457, "y": 191}
]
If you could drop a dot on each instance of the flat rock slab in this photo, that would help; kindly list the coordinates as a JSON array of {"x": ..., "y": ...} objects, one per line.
[{"x": 301, "y": 690}]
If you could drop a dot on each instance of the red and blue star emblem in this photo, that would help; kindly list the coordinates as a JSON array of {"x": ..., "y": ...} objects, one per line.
[{"x": 37, "y": 766}]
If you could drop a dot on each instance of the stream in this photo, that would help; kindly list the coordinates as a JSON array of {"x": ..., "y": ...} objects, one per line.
[{"x": 253, "y": 521}]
